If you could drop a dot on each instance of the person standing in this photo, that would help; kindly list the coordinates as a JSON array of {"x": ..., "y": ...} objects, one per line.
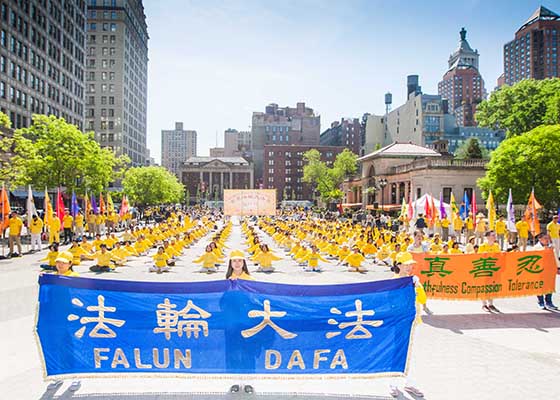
[
  {"x": 501, "y": 231},
  {"x": 445, "y": 229},
  {"x": 79, "y": 225},
  {"x": 15, "y": 225},
  {"x": 544, "y": 301},
  {"x": 54, "y": 229},
  {"x": 522, "y": 233},
  {"x": 553, "y": 229},
  {"x": 489, "y": 246},
  {"x": 36, "y": 228},
  {"x": 67, "y": 224},
  {"x": 91, "y": 219}
]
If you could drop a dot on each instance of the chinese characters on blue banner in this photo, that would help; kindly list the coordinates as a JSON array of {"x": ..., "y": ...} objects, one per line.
[{"x": 224, "y": 327}]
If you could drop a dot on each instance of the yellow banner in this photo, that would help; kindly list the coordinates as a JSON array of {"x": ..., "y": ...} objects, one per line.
[
  {"x": 250, "y": 202},
  {"x": 486, "y": 275}
]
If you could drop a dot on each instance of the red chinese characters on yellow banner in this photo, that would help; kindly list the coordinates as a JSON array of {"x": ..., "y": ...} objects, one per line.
[{"x": 486, "y": 275}]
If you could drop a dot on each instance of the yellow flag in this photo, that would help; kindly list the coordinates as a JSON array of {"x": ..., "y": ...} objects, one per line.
[
  {"x": 48, "y": 209},
  {"x": 491, "y": 207},
  {"x": 454, "y": 208},
  {"x": 110, "y": 205}
]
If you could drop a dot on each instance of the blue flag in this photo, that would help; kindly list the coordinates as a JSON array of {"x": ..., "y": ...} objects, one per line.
[
  {"x": 466, "y": 208},
  {"x": 75, "y": 208},
  {"x": 90, "y": 326},
  {"x": 94, "y": 205}
]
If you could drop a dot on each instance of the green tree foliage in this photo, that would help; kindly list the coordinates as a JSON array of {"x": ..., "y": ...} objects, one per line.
[
  {"x": 472, "y": 149},
  {"x": 521, "y": 161},
  {"x": 5, "y": 121},
  {"x": 521, "y": 107},
  {"x": 328, "y": 180},
  {"x": 55, "y": 153},
  {"x": 16, "y": 152},
  {"x": 147, "y": 186}
]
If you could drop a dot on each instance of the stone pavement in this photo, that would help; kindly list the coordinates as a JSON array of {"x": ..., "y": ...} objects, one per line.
[{"x": 460, "y": 352}]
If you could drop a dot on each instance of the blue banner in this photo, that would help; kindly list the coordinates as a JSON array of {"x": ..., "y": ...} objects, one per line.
[{"x": 90, "y": 326}]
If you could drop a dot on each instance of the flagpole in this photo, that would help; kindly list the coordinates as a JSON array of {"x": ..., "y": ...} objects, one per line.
[{"x": 3, "y": 219}]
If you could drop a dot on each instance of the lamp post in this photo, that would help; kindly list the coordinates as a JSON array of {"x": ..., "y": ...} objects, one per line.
[{"x": 382, "y": 183}]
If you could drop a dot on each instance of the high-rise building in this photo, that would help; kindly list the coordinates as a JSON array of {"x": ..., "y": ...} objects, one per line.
[
  {"x": 282, "y": 126},
  {"x": 345, "y": 133},
  {"x": 42, "y": 47},
  {"x": 462, "y": 84},
  {"x": 533, "y": 54},
  {"x": 237, "y": 143},
  {"x": 117, "y": 76},
  {"x": 176, "y": 146}
]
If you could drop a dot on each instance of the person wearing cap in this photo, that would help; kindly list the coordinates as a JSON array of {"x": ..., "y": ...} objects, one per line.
[
  {"x": 402, "y": 268},
  {"x": 469, "y": 247},
  {"x": 64, "y": 264},
  {"x": 237, "y": 267}
]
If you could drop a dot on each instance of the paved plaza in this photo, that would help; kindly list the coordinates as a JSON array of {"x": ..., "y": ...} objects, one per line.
[{"x": 460, "y": 352}]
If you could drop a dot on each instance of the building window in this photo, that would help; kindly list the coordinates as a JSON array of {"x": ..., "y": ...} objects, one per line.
[{"x": 446, "y": 194}]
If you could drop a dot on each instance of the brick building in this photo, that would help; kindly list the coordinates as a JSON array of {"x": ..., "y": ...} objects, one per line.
[
  {"x": 533, "y": 54},
  {"x": 283, "y": 169},
  {"x": 346, "y": 133}
]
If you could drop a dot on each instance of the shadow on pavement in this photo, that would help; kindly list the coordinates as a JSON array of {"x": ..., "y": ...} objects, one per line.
[
  {"x": 205, "y": 396},
  {"x": 459, "y": 322}
]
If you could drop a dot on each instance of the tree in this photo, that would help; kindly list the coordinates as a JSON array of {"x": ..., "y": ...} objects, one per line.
[
  {"x": 521, "y": 107},
  {"x": 472, "y": 149},
  {"x": 328, "y": 180},
  {"x": 148, "y": 186},
  {"x": 53, "y": 153},
  {"x": 5, "y": 121},
  {"x": 521, "y": 162}
]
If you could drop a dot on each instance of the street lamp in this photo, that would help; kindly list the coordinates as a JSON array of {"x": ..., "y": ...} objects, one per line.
[{"x": 382, "y": 183}]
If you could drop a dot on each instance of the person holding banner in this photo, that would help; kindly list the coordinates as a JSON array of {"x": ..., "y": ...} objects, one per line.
[
  {"x": 237, "y": 267},
  {"x": 489, "y": 246},
  {"x": 403, "y": 268},
  {"x": 545, "y": 302}
]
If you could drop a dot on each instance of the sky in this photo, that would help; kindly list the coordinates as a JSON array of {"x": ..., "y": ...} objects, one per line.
[{"x": 212, "y": 63}]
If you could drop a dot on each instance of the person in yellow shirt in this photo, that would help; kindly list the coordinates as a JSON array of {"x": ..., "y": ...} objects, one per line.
[
  {"x": 455, "y": 249},
  {"x": 105, "y": 260},
  {"x": 36, "y": 228},
  {"x": 64, "y": 265},
  {"x": 160, "y": 261},
  {"x": 78, "y": 252},
  {"x": 354, "y": 261},
  {"x": 457, "y": 225},
  {"x": 67, "y": 223},
  {"x": 264, "y": 258},
  {"x": 481, "y": 228},
  {"x": 51, "y": 258},
  {"x": 91, "y": 224},
  {"x": 15, "y": 225},
  {"x": 312, "y": 258},
  {"x": 522, "y": 233},
  {"x": 209, "y": 260},
  {"x": 489, "y": 246},
  {"x": 553, "y": 229},
  {"x": 501, "y": 231},
  {"x": 54, "y": 229},
  {"x": 469, "y": 225},
  {"x": 79, "y": 225},
  {"x": 237, "y": 267},
  {"x": 445, "y": 229}
]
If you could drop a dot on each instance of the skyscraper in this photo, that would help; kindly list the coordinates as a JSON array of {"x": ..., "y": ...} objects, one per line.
[
  {"x": 42, "y": 46},
  {"x": 462, "y": 84},
  {"x": 116, "y": 76},
  {"x": 176, "y": 147},
  {"x": 533, "y": 54}
]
